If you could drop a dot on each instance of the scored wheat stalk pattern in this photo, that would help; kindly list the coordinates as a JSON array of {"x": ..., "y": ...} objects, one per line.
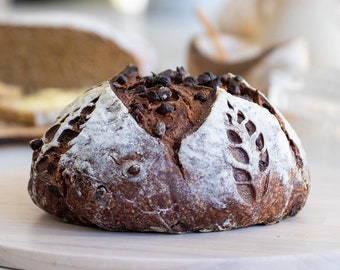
[{"x": 249, "y": 170}]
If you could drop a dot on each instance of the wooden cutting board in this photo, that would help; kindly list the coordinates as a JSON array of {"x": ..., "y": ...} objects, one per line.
[{"x": 31, "y": 239}]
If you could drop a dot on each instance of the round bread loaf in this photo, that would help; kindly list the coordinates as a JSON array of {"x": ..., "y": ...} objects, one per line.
[{"x": 170, "y": 153}]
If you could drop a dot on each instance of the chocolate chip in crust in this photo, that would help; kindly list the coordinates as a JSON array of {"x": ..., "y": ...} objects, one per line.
[
  {"x": 100, "y": 195},
  {"x": 189, "y": 81},
  {"x": 168, "y": 73},
  {"x": 234, "y": 89},
  {"x": 164, "y": 93},
  {"x": 162, "y": 80},
  {"x": 165, "y": 108},
  {"x": 201, "y": 96},
  {"x": 36, "y": 144},
  {"x": 159, "y": 129},
  {"x": 206, "y": 78},
  {"x": 152, "y": 96},
  {"x": 148, "y": 81},
  {"x": 140, "y": 89},
  {"x": 215, "y": 82},
  {"x": 133, "y": 170}
]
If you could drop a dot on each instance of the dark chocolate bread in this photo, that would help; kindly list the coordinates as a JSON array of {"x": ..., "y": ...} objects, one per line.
[{"x": 170, "y": 153}]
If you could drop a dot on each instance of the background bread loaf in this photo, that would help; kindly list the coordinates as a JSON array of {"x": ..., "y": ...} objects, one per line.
[{"x": 66, "y": 50}]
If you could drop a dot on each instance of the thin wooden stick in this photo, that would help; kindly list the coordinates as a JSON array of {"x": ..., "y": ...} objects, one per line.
[{"x": 212, "y": 32}]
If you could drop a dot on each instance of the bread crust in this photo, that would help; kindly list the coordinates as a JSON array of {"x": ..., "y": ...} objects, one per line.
[{"x": 239, "y": 165}]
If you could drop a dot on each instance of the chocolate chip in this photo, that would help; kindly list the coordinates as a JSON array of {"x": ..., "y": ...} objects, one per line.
[
  {"x": 205, "y": 78},
  {"x": 140, "y": 89},
  {"x": 137, "y": 116},
  {"x": 189, "y": 81},
  {"x": 133, "y": 170},
  {"x": 234, "y": 89},
  {"x": 182, "y": 71},
  {"x": 179, "y": 78},
  {"x": 164, "y": 93},
  {"x": 100, "y": 194},
  {"x": 152, "y": 96},
  {"x": 137, "y": 111},
  {"x": 121, "y": 79},
  {"x": 168, "y": 73},
  {"x": 216, "y": 82},
  {"x": 180, "y": 75},
  {"x": 225, "y": 79},
  {"x": 163, "y": 80},
  {"x": 131, "y": 71},
  {"x": 36, "y": 144},
  {"x": 159, "y": 129},
  {"x": 238, "y": 78},
  {"x": 137, "y": 107},
  {"x": 201, "y": 96},
  {"x": 165, "y": 108},
  {"x": 148, "y": 81}
]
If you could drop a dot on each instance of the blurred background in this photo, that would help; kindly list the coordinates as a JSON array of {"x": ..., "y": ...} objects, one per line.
[
  {"x": 166, "y": 25},
  {"x": 50, "y": 51}
]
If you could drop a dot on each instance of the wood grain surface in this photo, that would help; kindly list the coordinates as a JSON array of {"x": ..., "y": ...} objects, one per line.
[{"x": 32, "y": 239}]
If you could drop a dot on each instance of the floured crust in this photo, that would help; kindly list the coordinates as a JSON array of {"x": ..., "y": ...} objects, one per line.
[{"x": 240, "y": 165}]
